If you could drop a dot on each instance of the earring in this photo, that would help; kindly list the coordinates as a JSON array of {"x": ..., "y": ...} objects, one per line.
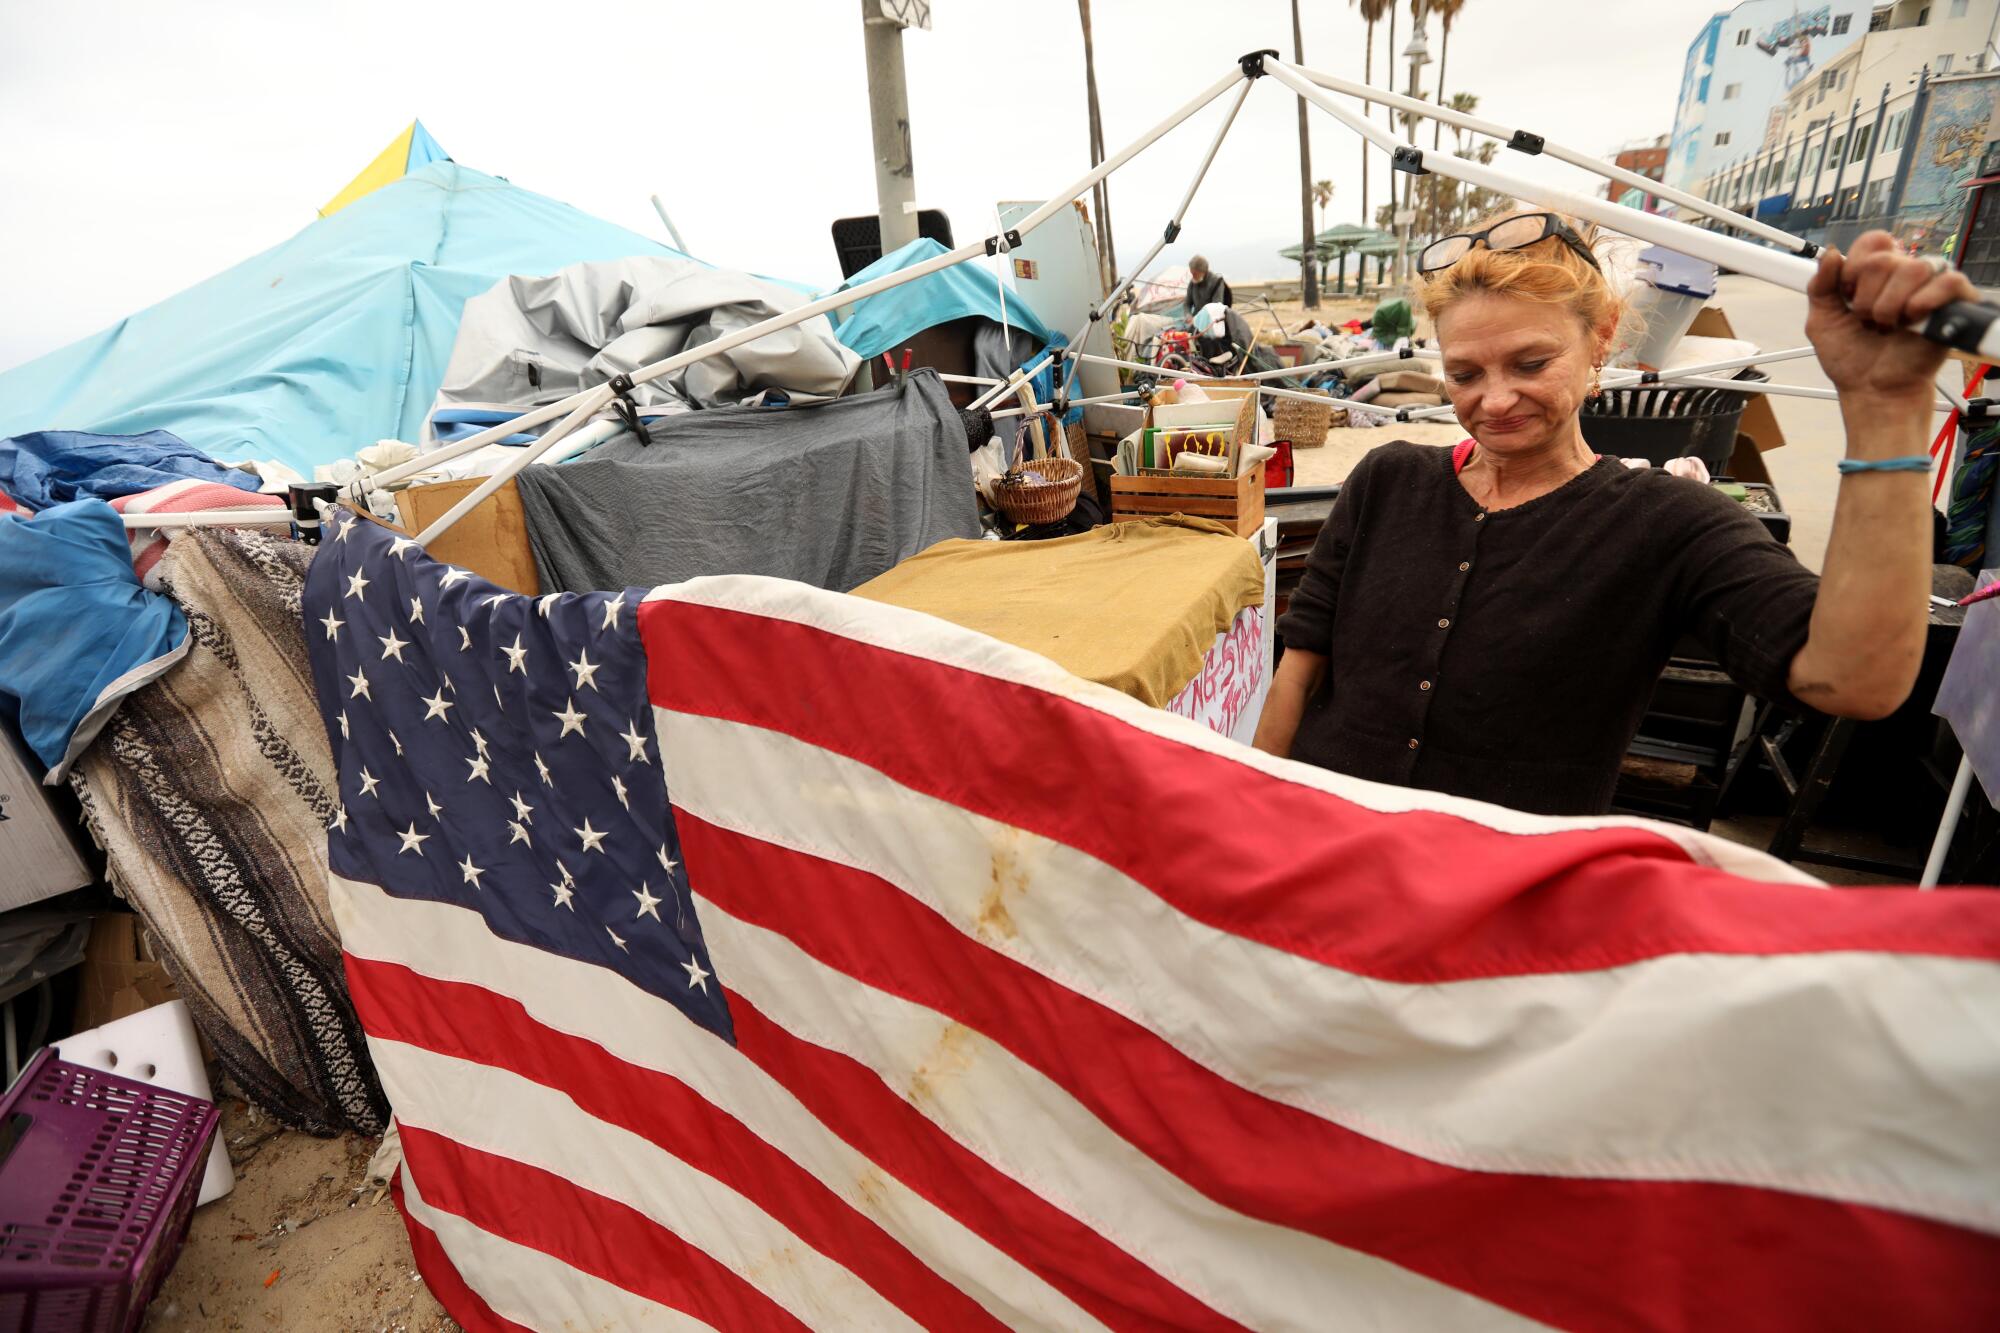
[{"x": 1596, "y": 387}]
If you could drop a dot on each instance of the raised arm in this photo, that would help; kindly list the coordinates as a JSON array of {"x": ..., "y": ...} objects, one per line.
[{"x": 1866, "y": 640}]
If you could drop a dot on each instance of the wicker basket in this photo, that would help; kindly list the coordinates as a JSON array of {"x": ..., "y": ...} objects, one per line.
[
  {"x": 1304, "y": 424},
  {"x": 1046, "y": 501}
]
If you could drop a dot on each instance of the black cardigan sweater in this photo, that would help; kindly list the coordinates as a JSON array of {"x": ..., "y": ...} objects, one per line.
[{"x": 1509, "y": 655}]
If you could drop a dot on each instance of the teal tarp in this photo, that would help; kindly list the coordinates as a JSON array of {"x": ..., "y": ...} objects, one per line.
[
  {"x": 323, "y": 344},
  {"x": 889, "y": 319}
]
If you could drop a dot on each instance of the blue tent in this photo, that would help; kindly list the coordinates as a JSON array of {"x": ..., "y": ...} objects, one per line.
[
  {"x": 321, "y": 345},
  {"x": 888, "y": 319}
]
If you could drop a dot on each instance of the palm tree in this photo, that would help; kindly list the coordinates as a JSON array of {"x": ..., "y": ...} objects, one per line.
[
  {"x": 1371, "y": 13},
  {"x": 1322, "y": 195},
  {"x": 1308, "y": 267},
  {"x": 1107, "y": 258}
]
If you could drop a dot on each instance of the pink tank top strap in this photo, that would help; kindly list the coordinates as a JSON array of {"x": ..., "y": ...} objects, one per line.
[{"x": 1460, "y": 454}]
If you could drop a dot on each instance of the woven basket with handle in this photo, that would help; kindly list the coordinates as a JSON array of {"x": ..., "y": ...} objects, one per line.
[{"x": 1024, "y": 499}]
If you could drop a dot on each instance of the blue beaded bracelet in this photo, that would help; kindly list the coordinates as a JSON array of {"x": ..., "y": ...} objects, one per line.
[{"x": 1912, "y": 463}]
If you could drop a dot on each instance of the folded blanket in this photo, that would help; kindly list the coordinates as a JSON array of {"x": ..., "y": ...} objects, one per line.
[{"x": 209, "y": 793}]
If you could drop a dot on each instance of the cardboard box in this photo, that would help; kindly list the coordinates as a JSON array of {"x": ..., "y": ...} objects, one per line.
[
  {"x": 491, "y": 541},
  {"x": 114, "y": 980},
  {"x": 1759, "y": 424}
]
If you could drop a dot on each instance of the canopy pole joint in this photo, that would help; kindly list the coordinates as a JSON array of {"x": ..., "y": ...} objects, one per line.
[
  {"x": 627, "y": 407},
  {"x": 1173, "y": 230},
  {"x": 1525, "y": 142},
  {"x": 1000, "y": 245},
  {"x": 1410, "y": 159},
  {"x": 1253, "y": 63}
]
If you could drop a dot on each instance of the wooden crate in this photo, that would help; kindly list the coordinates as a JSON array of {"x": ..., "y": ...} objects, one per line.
[{"x": 1235, "y": 501}]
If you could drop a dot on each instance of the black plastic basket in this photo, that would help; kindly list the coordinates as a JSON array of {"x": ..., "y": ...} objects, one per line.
[{"x": 1660, "y": 422}]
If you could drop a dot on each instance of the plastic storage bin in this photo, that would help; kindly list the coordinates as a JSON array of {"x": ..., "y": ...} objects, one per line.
[
  {"x": 1658, "y": 423},
  {"x": 98, "y": 1176}
]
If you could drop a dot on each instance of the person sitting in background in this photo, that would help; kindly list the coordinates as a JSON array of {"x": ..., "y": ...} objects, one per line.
[
  {"x": 1205, "y": 288},
  {"x": 1489, "y": 619}
]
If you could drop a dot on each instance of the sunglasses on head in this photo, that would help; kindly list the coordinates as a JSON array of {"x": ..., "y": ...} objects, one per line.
[{"x": 1515, "y": 233}]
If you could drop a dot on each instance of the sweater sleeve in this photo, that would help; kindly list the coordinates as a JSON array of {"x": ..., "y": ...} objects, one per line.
[
  {"x": 1308, "y": 620},
  {"x": 1742, "y": 594}
]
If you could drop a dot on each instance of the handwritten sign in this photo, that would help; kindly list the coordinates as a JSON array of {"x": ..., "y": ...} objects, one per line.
[{"x": 1232, "y": 677}]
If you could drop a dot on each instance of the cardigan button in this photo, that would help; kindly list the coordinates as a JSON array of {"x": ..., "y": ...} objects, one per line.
[
  {"x": 1423, "y": 685},
  {"x": 1479, "y": 517},
  {"x": 1444, "y": 623},
  {"x": 1464, "y": 565},
  {"x": 1413, "y": 742}
]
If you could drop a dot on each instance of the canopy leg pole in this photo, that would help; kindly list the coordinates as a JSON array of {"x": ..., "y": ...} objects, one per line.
[
  {"x": 1954, "y": 806},
  {"x": 1971, "y": 326}
]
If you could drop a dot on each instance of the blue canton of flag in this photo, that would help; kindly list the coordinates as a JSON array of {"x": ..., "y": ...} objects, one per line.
[{"x": 496, "y": 752}]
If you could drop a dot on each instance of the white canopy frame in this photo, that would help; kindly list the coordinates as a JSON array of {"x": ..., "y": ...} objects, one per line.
[{"x": 1968, "y": 326}]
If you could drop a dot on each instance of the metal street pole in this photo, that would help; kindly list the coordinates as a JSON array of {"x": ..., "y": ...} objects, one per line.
[
  {"x": 889, "y": 124},
  {"x": 1910, "y": 128},
  {"x": 1840, "y": 171},
  {"x": 1418, "y": 53}
]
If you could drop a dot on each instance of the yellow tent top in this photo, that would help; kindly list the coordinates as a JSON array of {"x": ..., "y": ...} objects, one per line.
[{"x": 406, "y": 152}]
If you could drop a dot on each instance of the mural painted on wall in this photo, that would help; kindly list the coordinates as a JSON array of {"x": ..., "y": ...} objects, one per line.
[
  {"x": 1957, "y": 124},
  {"x": 1792, "y": 37}
]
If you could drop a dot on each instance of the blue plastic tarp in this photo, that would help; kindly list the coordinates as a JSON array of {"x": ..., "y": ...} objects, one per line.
[
  {"x": 77, "y": 632},
  {"x": 323, "y": 344},
  {"x": 887, "y": 320},
  {"x": 45, "y": 468}
]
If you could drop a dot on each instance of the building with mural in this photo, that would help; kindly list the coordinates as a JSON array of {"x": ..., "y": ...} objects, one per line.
[
  {"x": 1648, "y": 158},
  {"x": 1884, "y": 134},
  {"x": 1740, "y": 65}
]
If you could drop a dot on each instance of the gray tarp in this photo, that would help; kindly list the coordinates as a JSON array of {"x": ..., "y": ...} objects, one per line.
[
  {"x": 530, "y": 340},
  {"x": 830, "y": 494}
]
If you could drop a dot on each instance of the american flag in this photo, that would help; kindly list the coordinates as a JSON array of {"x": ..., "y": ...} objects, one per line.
[{"x": 954, "y": 993}]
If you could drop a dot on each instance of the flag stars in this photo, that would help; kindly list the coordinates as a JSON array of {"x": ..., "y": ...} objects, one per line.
[
  {"x": 357, "y": 584},
  {"x": 431, "y": 802},
  {"x": 400, "y": 545},
  {"x": 618, "y": 790},
  {"x": 369, "y": 782},
  {"x": 522, "y": 810},
  {"x": 338, "y": 824},
  {"x": 519, "y": 834},
  {"x": 543, "y": 769},
  {"x": 343, "y": 726},
  {"x": 571, "y": 720},
  {"x": 392, "y": 646},
  {"x": 617, "y": 939},
  {"x": 359, "y": 680},
  {"x": 435, "y": 706},
  {"x": 611, "y": 610},
  {"x": 416, "y": 610},
  {"x": 543, "y": 603},
  {"x": 585, "y": 669},
  {"x": 332, "y": 623},
  {"x": 496, "y": 599},
  {"x": 697, "y": 976},
  {"x": 413, "y": 841},
  {"x": 635, "y": 744},
  {"x": 479, "y": 742},
  {"x": 592, "y": 838},
  {"x": 347, "y": 526},
  {"x": 452, "y": 576},
  {"x": 464, "y": 639},
  {"x": 479, "y": 767},
  {"x": 393, "y": 741},
  {"x": 648, "y": 904},
  {"x": 517, "y": 658},
  {"x": 563, "y": 894},
  {"x": 469, "y": 871}
]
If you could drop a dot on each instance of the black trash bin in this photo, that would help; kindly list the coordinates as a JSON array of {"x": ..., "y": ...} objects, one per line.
[{"x": 1659, "y": 422}]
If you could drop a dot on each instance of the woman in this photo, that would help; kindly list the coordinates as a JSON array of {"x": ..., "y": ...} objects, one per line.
[{"x": 1489, "y": 620}]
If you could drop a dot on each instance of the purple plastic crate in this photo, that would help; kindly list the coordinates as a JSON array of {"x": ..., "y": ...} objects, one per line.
[{"x": 98, "y": 1177}]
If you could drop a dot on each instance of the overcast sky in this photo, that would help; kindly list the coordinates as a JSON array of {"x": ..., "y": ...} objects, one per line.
[{"x": 144, "y": 146}]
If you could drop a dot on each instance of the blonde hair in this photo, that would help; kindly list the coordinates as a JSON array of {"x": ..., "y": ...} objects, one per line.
[{"x": 1548, "y": 273}]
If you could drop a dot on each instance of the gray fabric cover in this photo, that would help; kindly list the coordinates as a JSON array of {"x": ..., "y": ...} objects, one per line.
[
  {"x": 531, "y": 340},
  {"x": 830, "y": 494}
]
